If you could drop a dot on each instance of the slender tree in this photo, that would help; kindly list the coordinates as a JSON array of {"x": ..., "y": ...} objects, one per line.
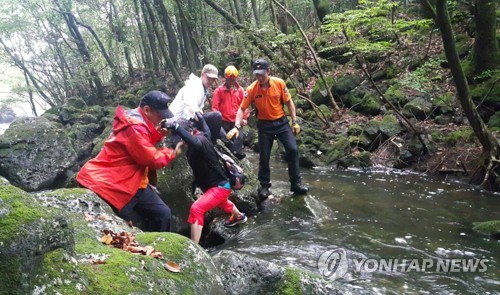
[
  {"x": 491, "y": 148},
  {"x": 486, "y": 55}
]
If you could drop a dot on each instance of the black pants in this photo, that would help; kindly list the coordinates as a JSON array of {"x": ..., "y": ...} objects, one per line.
[
  {"x": 268, "y": 132},
  {"x": 235, "y": 145},
  {"x": 150, "y": 207}
]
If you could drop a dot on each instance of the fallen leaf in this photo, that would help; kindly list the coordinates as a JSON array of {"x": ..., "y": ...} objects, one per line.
[
  {"x": 104, "y": 217},
  {"x": 172, "y": 266},
  {"x": 107, "y": 239},
  {"x": 98, "y": 261},
  {"x": 88, "y": 217}
]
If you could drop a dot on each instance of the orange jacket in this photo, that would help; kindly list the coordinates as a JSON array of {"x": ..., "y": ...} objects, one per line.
[
  {"x": 116, "y": 173},
  {"x": 227, "y": 101},
  {"x": 269, "y": 102}
]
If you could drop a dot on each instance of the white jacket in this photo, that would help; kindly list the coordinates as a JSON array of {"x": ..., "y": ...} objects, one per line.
[{"x": 189, "y": 99}]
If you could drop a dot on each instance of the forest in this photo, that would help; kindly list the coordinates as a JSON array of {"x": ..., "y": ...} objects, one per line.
[{"x": 107, "y": 52}]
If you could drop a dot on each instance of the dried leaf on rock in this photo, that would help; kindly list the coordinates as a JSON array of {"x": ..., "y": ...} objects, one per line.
[
  {"x": 106, "y": 239},
  {"x": 88, "y": 217}
]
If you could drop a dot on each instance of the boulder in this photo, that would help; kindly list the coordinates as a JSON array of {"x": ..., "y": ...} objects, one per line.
[
  {"x": 58, "y": 250},
  {"x": 419, "y": 108},
  {"x": 243, "y": 274},
  {"x": 7, "y": 114},
  {"x": 36, "y": 153}
]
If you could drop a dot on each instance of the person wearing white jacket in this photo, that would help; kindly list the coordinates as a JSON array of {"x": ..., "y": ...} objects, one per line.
[{"x": 191, "y": 98}]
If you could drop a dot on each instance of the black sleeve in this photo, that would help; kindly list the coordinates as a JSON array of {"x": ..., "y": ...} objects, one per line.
[
  {"x": 188, "y": 138},
  {"x": 201, "y": 125}
]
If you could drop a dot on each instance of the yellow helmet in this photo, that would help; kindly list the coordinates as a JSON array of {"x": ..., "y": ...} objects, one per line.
[{"x": 231, "y": 72}]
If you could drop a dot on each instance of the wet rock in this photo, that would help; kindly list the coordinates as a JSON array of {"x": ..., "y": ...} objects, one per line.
[
  {"x": 36, "y": 153},
  {"x": 242, "y": 274},
  {"x": 491, "y": 228}
]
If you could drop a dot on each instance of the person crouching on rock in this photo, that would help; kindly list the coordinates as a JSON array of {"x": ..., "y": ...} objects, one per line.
[
  {"x": 124, "y": 172},
  {"x": 209, "y": 175}
]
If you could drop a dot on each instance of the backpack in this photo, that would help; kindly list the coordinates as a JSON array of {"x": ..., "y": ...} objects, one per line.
[{"x": 234, "y": 172}]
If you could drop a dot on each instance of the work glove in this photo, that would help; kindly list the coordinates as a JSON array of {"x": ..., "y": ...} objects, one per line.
[
  {"x": 296, "y": 128},
  {"x": 232, "y": 133},
  {"x": 170, "y": 125}
]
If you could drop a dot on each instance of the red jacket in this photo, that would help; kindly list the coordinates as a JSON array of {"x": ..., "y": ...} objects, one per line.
[
  {"x": 227, "y": 101},
  {"x": 116, "y": 173}
]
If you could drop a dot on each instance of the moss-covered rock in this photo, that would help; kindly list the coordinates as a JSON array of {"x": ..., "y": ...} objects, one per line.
[
  {"x": 345, "y": 83},
  {"x": 242, "y": 274},
  {"x": 494, "y": 120},
  {"x": 319, "y": 93},
  {"x": 395, "y": 94},
  {"x": 36, "y": 153},
  {"x": 339, "y": 149},
  {"x": 390, "y": 126},
  {"x": 28, "y": 232},
  {"x": 369, "y": 105},
  {"x": 358, "y": 159},
  {"x": 340, "y": 53},
  {"x": 419, "y": 108},
  {"x": 58, "y": 251},
  {"x": 491, "y": 228}
]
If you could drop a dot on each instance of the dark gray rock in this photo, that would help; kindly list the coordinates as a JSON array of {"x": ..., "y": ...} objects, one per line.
[
  {"x": 36, "y": 153},
  {"x": 242, "y": 274}
]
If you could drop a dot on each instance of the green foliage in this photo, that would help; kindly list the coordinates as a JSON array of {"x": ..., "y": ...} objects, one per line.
[
  {"x": 463, "y": 134},
  {"x": 373, "y": 19},
  {"x": 422, "y": 78}
]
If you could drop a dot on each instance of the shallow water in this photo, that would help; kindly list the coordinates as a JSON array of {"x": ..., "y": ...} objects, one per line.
[{"x": 379, "y": 215}]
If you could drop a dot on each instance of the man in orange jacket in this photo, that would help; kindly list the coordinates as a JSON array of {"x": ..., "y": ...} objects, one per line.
[
  {"x": 123, "y": 172},
  {"x": 227, "y": 99},
  {"x": 269, "y": 94}
]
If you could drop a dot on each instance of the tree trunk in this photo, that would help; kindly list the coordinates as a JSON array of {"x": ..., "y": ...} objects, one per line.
[
  {"x": 282, "y": 19},
  {"x": 186, "y": 29},
  {"x": 114, "y": 71},
  {"x": 491, "y": 147},
  {"x": 486, "y": 54},
  {"x": 239, "y": 12},
  {"x": 30, "y": 94},
  {"x": 163, "y": 45},
  {"x": 146, "y": 52},
  {"x": 94, "y": 80},
  {"x": 152, "y": 41},
  {"x": 121, "y": 38},
  {"x": 256, "y": 13},
  {"x": 173, "y": 45},
  {"x": 322, "y": 8},
  {"x": 20, "y": 64}
]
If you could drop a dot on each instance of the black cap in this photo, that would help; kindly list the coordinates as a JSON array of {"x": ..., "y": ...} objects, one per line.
[
  {"x": 260, "y": 66},
  {"x": 159, "y": 101}
]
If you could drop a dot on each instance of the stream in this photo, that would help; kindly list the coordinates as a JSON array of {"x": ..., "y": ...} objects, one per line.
[{"x": 379, "y": 216}]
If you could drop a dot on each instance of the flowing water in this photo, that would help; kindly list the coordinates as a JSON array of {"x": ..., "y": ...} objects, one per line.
[{"x": 379, "y": 215}]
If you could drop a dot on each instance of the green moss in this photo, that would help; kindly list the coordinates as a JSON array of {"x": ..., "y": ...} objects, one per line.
[
  {"x": 464, "y": 133},
  {"x": 488, "y": 227},
  {"x": 290, "y": 284},
  {"x": 19, "y": 213}
]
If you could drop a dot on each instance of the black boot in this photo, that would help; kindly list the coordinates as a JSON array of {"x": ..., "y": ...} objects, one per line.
[
  {"x": 264, "y": 192},
  {"x": 299, "y": 189}
]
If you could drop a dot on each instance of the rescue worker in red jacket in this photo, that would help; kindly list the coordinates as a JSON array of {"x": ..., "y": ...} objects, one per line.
[
  {"x": 124, "y": 172},
  {"x": 227, "y": 99}
]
